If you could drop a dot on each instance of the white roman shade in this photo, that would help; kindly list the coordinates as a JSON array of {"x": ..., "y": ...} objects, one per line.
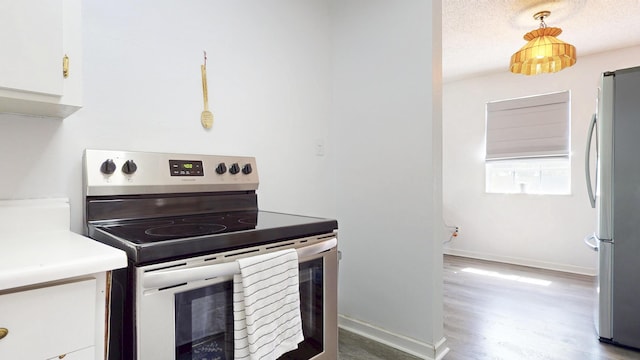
[{"x": 534, "y": 126}]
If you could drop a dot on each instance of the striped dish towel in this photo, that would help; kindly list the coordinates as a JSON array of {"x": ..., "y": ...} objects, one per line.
[{"x": 266, "y": 306}]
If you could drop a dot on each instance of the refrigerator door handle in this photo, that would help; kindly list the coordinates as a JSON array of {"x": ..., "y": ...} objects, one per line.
[
  {"x": 587, "y": 169},
  {"x": 591, "y": 242}
]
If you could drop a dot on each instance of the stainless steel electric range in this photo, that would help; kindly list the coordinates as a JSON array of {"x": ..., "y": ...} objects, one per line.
[{"x": 183, "y": 221}]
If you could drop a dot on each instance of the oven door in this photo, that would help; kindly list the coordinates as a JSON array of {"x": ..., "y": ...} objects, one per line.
[{"x": 186, "y": 308}]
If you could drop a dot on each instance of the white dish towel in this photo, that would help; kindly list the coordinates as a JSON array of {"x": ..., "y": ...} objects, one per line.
[{"x": 266, "y": 306}]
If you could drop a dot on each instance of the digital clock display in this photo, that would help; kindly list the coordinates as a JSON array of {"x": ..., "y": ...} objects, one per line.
[{"x": 186, "y": 168}]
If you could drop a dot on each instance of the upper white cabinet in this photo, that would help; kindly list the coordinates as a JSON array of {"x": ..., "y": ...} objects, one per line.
[
  {"x": 31, "y": 39},
  {"x": 35, "y": 36}
]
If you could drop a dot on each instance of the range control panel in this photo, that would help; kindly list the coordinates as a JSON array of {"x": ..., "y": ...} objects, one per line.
[{"x": 109, "y": 172}]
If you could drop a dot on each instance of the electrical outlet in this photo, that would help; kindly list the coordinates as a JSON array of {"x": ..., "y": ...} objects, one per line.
[{"x": 456, "y": 231}]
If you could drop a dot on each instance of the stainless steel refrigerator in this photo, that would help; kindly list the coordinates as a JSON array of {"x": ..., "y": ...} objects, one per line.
[{"x": 615, "y": 194}]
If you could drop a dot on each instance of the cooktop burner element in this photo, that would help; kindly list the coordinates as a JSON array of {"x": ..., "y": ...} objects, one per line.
[
  {"x": 142, "y": 232},
  {"x": 185, "y": 230}
]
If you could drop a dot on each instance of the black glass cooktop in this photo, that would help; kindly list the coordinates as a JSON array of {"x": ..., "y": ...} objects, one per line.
[{"x": 161, "y": 239}]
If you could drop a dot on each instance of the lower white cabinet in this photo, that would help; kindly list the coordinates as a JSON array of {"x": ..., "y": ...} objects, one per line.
[{"x": 49, "y": 322}]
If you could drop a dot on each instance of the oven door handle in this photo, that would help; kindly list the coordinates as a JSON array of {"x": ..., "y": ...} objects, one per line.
[{"x": 168, "y": 278}]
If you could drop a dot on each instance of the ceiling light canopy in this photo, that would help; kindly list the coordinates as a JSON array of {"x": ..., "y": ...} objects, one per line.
[{"x": 544, "y": 53}]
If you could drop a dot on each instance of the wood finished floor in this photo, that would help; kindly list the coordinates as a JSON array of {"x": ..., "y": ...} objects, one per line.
[
  {"x": 355, "y": 347},
  {"x": 498, "y": 311},
  {"x": 501, "y": 311}
]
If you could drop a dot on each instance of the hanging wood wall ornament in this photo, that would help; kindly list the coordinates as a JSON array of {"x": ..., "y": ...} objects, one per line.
[{"x": 206, "y": 118}]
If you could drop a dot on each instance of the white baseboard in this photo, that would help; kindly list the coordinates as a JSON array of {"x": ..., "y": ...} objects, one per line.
[
  {"x": 522, "y": 261},
  {"x": 411, "y": 346}
]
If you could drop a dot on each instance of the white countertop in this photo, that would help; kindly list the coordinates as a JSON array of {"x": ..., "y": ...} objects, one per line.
[
  {"x": 38, "y": 257},
  {"x": 45, "y": 250}
]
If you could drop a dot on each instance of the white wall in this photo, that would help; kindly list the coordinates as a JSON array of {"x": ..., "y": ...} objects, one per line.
[
  {"x": 387, "y": 113},
  {"x": 542, "y": 231},
  {"x": 269, "y": 80},
  {"x": 275, "y": 95}
]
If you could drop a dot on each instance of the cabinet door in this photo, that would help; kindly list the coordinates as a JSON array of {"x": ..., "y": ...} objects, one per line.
[
  {"x": 48, "y": 321},
  {"x": 31, "y": 34}
]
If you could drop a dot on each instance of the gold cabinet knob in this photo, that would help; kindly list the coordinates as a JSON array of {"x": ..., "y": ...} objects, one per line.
[{"x": 3, "y": 332}]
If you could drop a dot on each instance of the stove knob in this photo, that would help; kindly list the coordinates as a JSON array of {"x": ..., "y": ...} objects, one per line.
[
  {"x": 234, "y": 169},
  {"x": 221, "y": 169},
  {"x": 108, "y": 167},
  {"x": 246, "y": 169},
  {"x": 129, "y": 167}
]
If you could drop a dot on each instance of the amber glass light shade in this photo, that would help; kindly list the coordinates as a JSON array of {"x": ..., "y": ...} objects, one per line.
[{"x": 543, "y": 53}]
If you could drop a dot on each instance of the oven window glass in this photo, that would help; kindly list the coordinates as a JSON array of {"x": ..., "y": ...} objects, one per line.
[
  {"x": 204, "y": 323},
  {"x": 204, "y": 318},
  {"x": 311, "y": 308}
]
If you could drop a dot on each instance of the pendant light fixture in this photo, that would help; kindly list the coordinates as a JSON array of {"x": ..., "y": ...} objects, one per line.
[{"x": 543, "y": 53}]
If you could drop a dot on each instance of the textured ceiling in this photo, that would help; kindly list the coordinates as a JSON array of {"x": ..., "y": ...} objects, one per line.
[{"x": 480, "y": 36}]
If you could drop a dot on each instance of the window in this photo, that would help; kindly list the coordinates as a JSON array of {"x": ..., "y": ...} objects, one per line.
[{"x": 528, "y": 145}]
